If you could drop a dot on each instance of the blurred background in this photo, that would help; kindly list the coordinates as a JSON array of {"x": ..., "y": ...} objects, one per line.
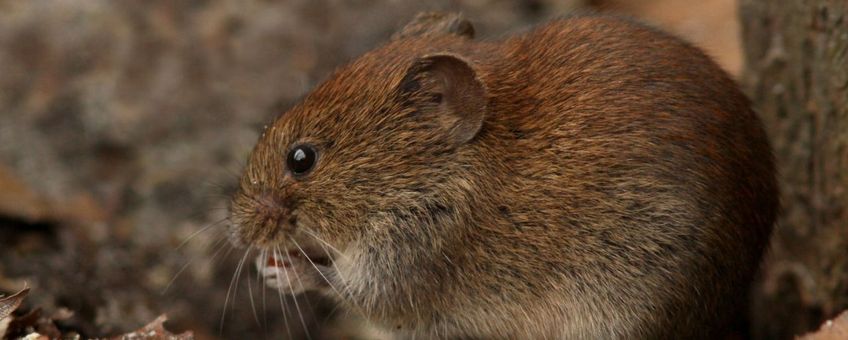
[{"x": 124, "y": 126}]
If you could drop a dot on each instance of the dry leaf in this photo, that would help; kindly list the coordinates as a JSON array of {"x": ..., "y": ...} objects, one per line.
[
  {"x": 834, "y": 329},
  {"x": 10, "y": 303},
  {"x": 155, "y": 331}
]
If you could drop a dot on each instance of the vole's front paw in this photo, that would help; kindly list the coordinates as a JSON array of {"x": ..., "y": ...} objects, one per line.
[
  {"x": 278, "y": 273},
  {"x": 289, "y": 272}
]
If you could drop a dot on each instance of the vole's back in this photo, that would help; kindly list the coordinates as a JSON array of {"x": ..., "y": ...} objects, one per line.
[{"x": 642, "y": 165}]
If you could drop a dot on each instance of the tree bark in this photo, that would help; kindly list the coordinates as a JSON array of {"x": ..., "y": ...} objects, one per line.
[{"x": 797, "y": 75}]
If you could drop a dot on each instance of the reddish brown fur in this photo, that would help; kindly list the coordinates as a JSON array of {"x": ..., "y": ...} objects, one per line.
[{"x": 620, "y": 186}]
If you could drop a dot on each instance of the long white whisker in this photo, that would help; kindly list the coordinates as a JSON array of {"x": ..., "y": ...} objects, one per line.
[
  {"x": 316, "y": 267},
  {"x": 174, "y": 279},
  {"x": 325, "y": 242},
  {"x": 280, "y": 294},
  {"x": 294, "y": 298},
  {"x": 338, "y": 272},
  {"x": 259, "y": 277},
  {"x": 200, "y": 231},
  {"x": 252, "y": 304},
  {"x": 238, "y": 273},
  {"x": 184, "y": 267},
  {"x": 322, "y": 274},
  {"x": 227, "y": 299},
  {"x": 215, "y": 257}
]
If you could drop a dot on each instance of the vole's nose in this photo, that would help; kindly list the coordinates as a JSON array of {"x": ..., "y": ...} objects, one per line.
[
  {"x": 273, "y": 214},
  {"x": 266, "y": 204},
  {"x": 262, "y": 219}
]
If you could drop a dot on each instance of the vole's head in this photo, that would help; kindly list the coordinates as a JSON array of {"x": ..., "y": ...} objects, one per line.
[{"x": 367, "y": 156}]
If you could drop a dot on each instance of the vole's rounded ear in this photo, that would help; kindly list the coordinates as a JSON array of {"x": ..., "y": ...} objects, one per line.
[
  {"x": 445, "y": 88},
  {"x": 436, "y": 23}
]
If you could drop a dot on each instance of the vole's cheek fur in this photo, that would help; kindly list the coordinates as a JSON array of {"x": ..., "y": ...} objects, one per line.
[{"x": 591, "y": 178}]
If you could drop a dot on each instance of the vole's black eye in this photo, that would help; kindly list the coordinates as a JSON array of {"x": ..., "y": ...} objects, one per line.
[{"x": 301, "y": 159}]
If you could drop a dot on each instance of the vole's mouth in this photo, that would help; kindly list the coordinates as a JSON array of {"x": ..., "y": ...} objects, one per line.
[
  {"x": 298, "y": 266},
  {"x": 309, "y": 255},
  {"x": 298, "y": 269}
]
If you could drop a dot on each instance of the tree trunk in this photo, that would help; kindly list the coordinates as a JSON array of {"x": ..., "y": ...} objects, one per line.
[{"x": 797, "y": 75}]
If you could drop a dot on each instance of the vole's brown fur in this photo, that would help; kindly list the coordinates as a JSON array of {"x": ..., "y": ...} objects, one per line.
[{"x": 617, "y": 184}]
